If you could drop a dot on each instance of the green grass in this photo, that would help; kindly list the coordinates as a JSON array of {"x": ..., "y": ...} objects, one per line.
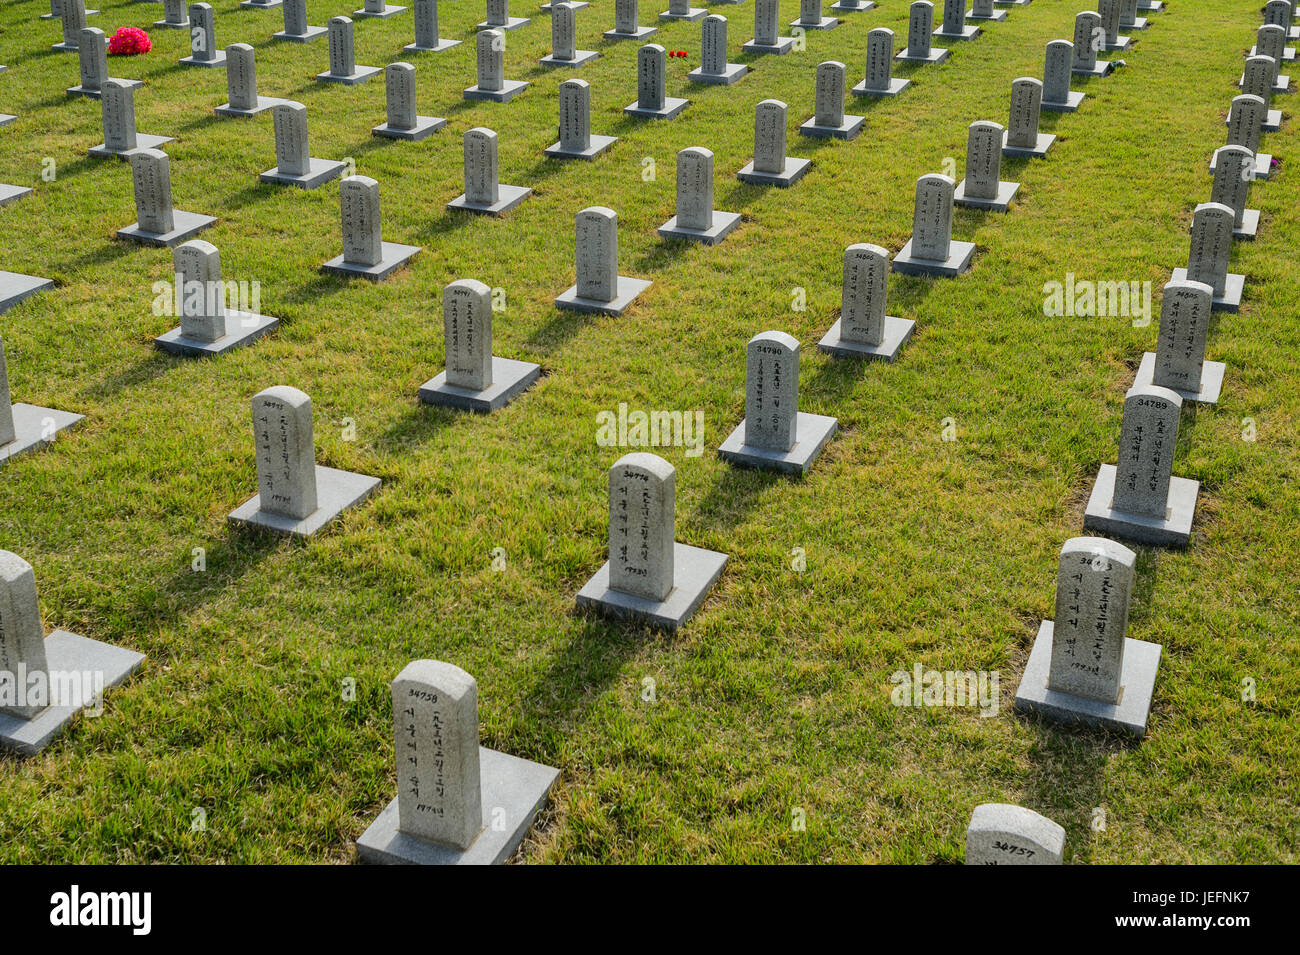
[{"x": 776, "y": 696}]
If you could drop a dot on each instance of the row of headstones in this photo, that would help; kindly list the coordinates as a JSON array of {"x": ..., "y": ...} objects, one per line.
[{"x": 1082, "y": 667}]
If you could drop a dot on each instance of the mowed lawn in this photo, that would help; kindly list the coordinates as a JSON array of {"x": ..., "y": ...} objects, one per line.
[{"x": 773, "y": 703}]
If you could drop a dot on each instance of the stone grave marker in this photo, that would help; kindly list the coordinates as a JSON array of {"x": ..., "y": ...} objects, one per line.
[
  {"x": 426, "y": 29},
  {"x": 1089, "y": 39},
  {"x": 92, "y": 53},
  {"x": 295, "y": 495},
  {"x": 828, "y": 120},
  {"x": 1002, "y": 834},
  {"x": 931, "y": 250},
  {"x": 954, "y": 25},
  {"x": 1140, "y": 499},
  {"x": 982, "y": 188},
  {"x": 810, "y": 17},
  {"x": 770, "y": 165},
  {"x": 50, "y": 679},
  {"x": 296, "y": 29},
  {"x": 920, "y": 22},
  {"x": 294, "y": 164},
  {"x": 1082, "y": 668},
  {"x": 1234, "y": 169},
  {"x": 1211, "y": 248},
  {"x": 401, "y": 120},
  {"x": 209, "y": 325},
  {"x": 599, "y": 287},
  {"x": 626, "y": 15},
  {"x": 203, "y": 39},
  {"x": 880, "y": 79},
  {"x": 1057, "y": 70},
  {"x": 1178, "y": 363},
  {"x": 696, "y": 219},
  {"x": 458, "y": 803},
  {"x": 649, "y": 577},
  {"x": 775, "y": 435},
  {"x": 984, "y": 10},
  {"x": 474, "y": 379},
  {"x": 767, "y": 38},
  {"x": 242, "y": 99},
  {"x": 1023, "y": 138},
  {"x": 492, "y": 85},
  {"x": 484, "y": 192},
  {"x": 863, "y": 330},
  {"x": 576, "y": 140},
  {"x": 157, "y": 222},
  {"x": 365, "y": 253},
  {"x": 682, "y": 10},
  {"x": 1113, "y": 41},
  {"x": 651, "y": 79},
  {"x": 499, "y": 18},
  {"x": 343, "y": 62},
  {"x": 175, "y": 16},
  {"x": 714, "y": 68},
  {"x": 564, "y": 39},
  {"x": 117, "y": 110},
  {"x": 377, "y": 9}
]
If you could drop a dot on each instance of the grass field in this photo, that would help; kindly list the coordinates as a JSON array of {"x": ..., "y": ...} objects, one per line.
[{"x": 776, "y": 697}]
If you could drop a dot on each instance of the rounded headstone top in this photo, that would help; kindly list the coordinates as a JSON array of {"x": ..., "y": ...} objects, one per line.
[
  {"x": 1245, "y": 153},
  {"x": 773, "y": 102},
  {"x": 480, "y": 131},
  {"x": 881, "y": 31},
  {"x": 922, "y": 3},
  {"x": 1102, "y": 547},
  {"x": 157, "y": 155},
  {"x": 831, "y": 64},
  {"x": 90, "y": 32},
  {"x": 700, "y": 151},
  {"x": 995, "y": 819},
  {"x": 950, "y": 182},
  {"x": 359, "y": 181},
  {"x": 117, "y": 83},
  {"x": 986, "y": 124},
  {"x": 1218, "y": 208},
  {"x": 334, "y": 20},
  {"x": 1249, "y": 97},
  {"x": 286, "y": 393},
  {"x": 451, "y": 680},
  {"x": 868, "y": 247},
  {"x": 402, "y": 66},
  {"x": 574, "y": 84},
  {"x": 1155, "y": 391},
  {"x": 603, "y": 211},
  {"x": 651, "y": 46},
  {"x": 291, "y": 106},
  {"x": 471, "y": 285},
  {"x": 1200, "y": 288},
  {"x": 645, "y": 461},
  {"x": 789, "y": 342},
  {"x": 1031, "y": 80},
  {"x": 715, "y": 17},
  {"x": 198, "y": 245},
  {"x": 239, "y": 48},
  {"x": 12, "y": 567}
]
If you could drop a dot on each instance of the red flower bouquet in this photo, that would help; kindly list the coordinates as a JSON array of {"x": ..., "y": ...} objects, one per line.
[{"x": 129, "y": 41}]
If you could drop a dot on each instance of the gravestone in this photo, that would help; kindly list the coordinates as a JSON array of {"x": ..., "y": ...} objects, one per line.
[
  {"x": 1140, "y": 499},
  {"x": 1128, "y": 16},
  {"x": 1057, "y": 70},
  {"x": 564, "y": 38},
  {"x": 770, "y": 165},
  {"x": 242, "y": 99},
  {"x": 1109, "y": 12},
  {"x": 649, "y": 577},
  {"x": 426, "y": 29},
  {"x": 457, "y": 803},
  {"x": 209, "y": 326},
  {"x": 295, "y": 496},
  {"x": 954, "y": 26},
  {"x": 696, "y": 219},
  {"x": 343, "y": 62},
  {"x": 829, "y": 121},
  {"x": 1002, "y": 834},
  {"x": 377, "y": 9},
  {"x": 157, "y": 223},
  {"x": 599, "y": 287},
  {"x": 72, "y": 18},
  {"x": 25, "y": 427},
  {"x": 294, "y": 164},
  {"x": 1178, "y": 363},
  {"x": 175, "y": 16},
  {"x": 1261, "y": 78},
  {"x": 682, "y": 10},
  {"x": 775, "y": 434},
  {"x": 982, "y": 188},
  {"x": 1234, "y": 168},
  {"x": 810, "y": 17},
  {"x": 499, "y": 18},
  {"x": 767, "y": 38},
  {"x": 1271, "y": 41},
  {"x": 483, "y": 192},
  {"x": 402, "y": 121},
  {"x": 576, "y": 140},
  {"x": 626, "y": 15},
  {"x": 1023, "y": 138},
  {"x": 255, "y": 4},
  {"x": 853, "y": 6},
  {"x": 365, "y": 253},
  {"x": 15, "y": 287},
  {"x": 1082, "y": 668},
  {"x": 92, "y": 54},
  {"x": 920, "y": 21},
  {"x": 880, "y": 79},
  {"x": 117, "y": 111},
  {"x": 984, "y": 10},
  {"x": 931, "y": 250},
  {"x": 474, "y": 379},
  {"x": 47, "y": 679},
  {"x": 203, "y": 39},
  {"x": 1211, "y": 247},
  {"x": 490, "y": 48},
  {"x": 714, "y": 68},
  {"x": 863, "y": 330},
  {"x": 651, "y": 78},
  {"x": 1089, "y": 39},
  {"x": 1245, "y": 124},
  {"x": 296, "y": 29}
]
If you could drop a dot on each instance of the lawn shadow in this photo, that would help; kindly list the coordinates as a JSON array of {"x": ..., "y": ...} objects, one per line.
[
  {"x": 558, "y": 330},
  {"x": 728, "y": 503},
  {"x": 141, "y": 373},
  {"x": 419, "y": 427}
]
